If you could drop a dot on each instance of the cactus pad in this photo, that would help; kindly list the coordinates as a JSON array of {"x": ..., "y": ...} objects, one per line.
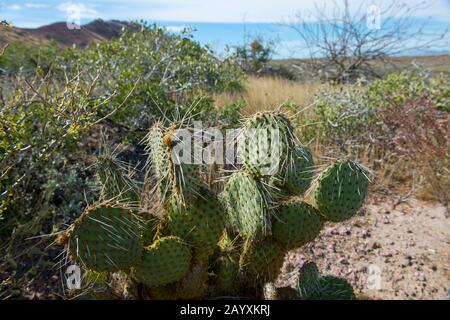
[
  {"x": 265, "y": 154},
  {"x": 335, "y": 288},
  {"x": 309, "y": 281},
  {"x": 200, "y": 224},
  {"x": 300, "y": 176},
  {"x": 106, "y": 238},
  {"x": 227, "y": 269},
  {"x": 341, "y": 190},
  {"x": 248, "y": 205},
  {"x": 296, "y": 224},
  {"x": 166, "y": 260}
]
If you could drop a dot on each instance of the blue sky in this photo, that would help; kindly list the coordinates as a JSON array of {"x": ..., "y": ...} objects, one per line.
[{"x": 217, "y": 22}]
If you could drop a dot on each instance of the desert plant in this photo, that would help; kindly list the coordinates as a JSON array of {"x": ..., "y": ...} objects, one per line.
[{"x": 206, "y": 244}]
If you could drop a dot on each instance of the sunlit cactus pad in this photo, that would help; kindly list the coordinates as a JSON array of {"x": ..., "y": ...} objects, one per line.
[
  {"x": 248, "y": 204},
  {"x": 299, "y": 177},
  {"x": 106, "y": 238},
  {"x": 341, "y": 190},
  {"x": 262, "y": 148}
]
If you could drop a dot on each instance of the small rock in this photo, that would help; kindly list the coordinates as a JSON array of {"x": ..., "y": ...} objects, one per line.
[{"x": 376, "y": 245}]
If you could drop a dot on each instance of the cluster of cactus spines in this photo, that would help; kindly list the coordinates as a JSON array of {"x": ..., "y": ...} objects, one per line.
[
  {"x": 227, "y": 243},
  {"x": 314, "y": 286},
  {"x": 114, "y": 183}
]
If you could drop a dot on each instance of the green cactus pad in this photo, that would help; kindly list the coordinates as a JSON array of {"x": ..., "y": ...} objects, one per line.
[
  {"x": 115, "y": 184},
  {"x": 309, "y": 281},
  {"x": 313, "y": 286},
  {"x": 262, "y": 261},
  {"x": 200, "y": 224},
  {"x": 300, "y": 176},
  {"x": 259, "y": 151},
  {"x": 106, "y": 238},
  {"x": 166, "y": 260},
  {"x": 341, "y": 190},
  {"x": 249, "y": 205},
  {"x": 296, "y": 224}
]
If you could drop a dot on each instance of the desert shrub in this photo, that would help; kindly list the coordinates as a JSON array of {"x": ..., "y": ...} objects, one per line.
[
  {"x": 230, "y": 115},
  {"x": 40, "y": 119},
  {"x": 21, "y": 57},
  {"x": 344, "y": 116},
  {"x": 400, "y": 87},
  {"x": 419, "y": 132},
  {"x": 352, "y": 115},
  {"x": 398, "y": 121},
  {"x": 168, "y": 71}
]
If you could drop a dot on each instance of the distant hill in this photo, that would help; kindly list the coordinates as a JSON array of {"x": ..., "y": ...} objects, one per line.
[{"x": 93, "y": 32}]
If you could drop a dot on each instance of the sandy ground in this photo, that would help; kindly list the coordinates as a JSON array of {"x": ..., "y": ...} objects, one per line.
[{"x": 384, "y": 252}]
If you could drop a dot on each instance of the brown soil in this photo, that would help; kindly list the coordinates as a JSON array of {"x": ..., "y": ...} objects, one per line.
[{"x": 408, "y": 246}]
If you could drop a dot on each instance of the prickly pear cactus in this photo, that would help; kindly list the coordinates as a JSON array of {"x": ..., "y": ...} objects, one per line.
[
  {"x": 309, "y": 281},
  {"x": 159, "y": 161},
  {"x": 194, "y": 242},
  {"x": 300, "y": 176}
]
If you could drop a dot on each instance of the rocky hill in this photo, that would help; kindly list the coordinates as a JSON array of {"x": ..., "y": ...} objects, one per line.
[{"x": 93, "y": 32}]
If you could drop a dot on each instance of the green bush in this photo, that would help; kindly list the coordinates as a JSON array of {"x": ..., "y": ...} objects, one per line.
[
  {"x": 352, "y": 115},
  {"x": 168, "y": 71}
]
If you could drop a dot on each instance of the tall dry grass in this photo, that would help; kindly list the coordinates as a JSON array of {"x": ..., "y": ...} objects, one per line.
[{"x": 268, "y": 93}]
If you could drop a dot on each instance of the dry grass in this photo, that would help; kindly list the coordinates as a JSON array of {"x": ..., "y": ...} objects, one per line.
[{"x": 267, "y": 93}]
